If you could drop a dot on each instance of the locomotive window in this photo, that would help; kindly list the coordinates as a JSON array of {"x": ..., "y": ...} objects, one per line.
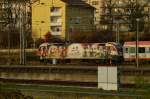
[
  {"x": 126, "y": 50},
  {"x": 141, "y": 50},
  {"x": 132, "y": 49}
]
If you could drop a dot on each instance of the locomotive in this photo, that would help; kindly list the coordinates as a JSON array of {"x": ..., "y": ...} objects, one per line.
[{"x": 109, "y": 52}]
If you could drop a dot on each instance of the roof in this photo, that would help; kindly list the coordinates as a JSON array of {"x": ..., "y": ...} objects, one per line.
[
  {"x": 77, "y": 3},
  {"x": 134, "y": 43}
]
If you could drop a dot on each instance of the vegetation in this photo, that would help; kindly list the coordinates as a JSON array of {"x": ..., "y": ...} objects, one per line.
[
  {"x": 136, "y": 12},
  {"x": 90, "y": 37},
  {"x": 7, "y": 37},
  {"x": 13, "y": 94},
  {"x": 48, "y": 37},
  {"x": 126, "y": 15},
  {"x": 11, "y": 38},
  {"x": 74, "y": 92}
]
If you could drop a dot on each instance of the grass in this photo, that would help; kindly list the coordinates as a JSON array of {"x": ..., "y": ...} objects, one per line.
[
  {"x": 73, "y": 91},
  {"x": 52, "y": 88}
]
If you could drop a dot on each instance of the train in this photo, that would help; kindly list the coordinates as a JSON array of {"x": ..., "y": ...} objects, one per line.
[
  {"x": 129, "y": 51},
  {"x": 86, "y": 52},
  {"x": 110, "y": 52}
]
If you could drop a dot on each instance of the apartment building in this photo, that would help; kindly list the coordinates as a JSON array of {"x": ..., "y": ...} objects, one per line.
[
  {"x": 120, "y": 18},
  {"x": 61, "y": 17},
  {"x": 97, "y": 4}
]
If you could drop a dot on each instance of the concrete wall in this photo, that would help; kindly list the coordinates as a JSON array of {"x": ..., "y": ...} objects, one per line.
[{"x": 87, "y": 77}]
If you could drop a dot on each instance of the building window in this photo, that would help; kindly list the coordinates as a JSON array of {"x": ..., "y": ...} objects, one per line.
[
  {"x": 71, "y": 20},
  {"x": 94, "y": 2},
  {"x": 55, "y": 9},
  {"x": 141, "y": 50},
  {"x": 132, "y": 49},
  {"x": 56, "y": 19},
  {"x": 91, "y": 21},
  {"x": 85, "y": 0},
  {"x": 126, "y": 50},
  {"x": 56, "y": 30},
  {"x": 78, "y": 20},
  {"x": 71, "y": 29}
]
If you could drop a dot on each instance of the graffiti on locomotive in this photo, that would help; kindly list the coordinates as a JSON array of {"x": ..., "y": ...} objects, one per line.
[
  {"x": 56, "y": 51},
  {"x": 85, "y": 51},
  {"x": 75, "y": 51}
]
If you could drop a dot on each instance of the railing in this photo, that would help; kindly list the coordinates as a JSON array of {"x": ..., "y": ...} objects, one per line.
[
  {"x": 56, "y": 23},
  {"x": 56, "y": 13}
]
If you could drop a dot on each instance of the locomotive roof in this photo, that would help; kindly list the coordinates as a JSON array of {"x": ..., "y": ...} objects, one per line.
[
  {"x": 44, "y": 44},
  {"x": 48, "y": 44},
  {"x": 134, "y": 43}
]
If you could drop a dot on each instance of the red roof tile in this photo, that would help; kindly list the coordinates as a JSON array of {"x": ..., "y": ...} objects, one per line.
[{"x": 140, "y": 43}]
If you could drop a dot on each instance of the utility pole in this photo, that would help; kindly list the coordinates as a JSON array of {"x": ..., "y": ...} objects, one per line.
[
  {"x": 5, "y": 22},
  {"x": 137, "y": 43},
  {"x": 22, "y": 30},
  {"x": 21, "y": 37},
  {"x": 149, "y": 16}
]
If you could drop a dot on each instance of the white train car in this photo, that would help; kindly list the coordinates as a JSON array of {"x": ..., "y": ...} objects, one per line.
[{"x": 129, "y": 52}]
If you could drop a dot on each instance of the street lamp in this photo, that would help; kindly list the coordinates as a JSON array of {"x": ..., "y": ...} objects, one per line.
[{"x": 137, "y": 42}]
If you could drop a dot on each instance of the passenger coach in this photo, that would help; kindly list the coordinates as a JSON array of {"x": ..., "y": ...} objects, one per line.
[{"x": 130, "y": 50}]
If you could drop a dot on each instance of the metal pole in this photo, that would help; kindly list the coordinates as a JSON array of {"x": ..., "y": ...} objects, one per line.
[
  {"x": 116, "y": 32},
  {"x": 9, "y": 25},
  {"x": 20, "y": 30},
  {"x": 118, "y": 41},
  {"x": 22, "y": 22},
  {"x": 149, "y": 18},
  {"x": 137, "y": 43},
  {"x": 23, "y": 40},
  {"x": 23, "y": 31},
  {"x": 68, "y": 36},
  {"x": 8, "y": 46}
]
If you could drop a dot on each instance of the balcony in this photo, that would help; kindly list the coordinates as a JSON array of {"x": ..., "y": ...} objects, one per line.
[
  {"x": 56, "y": 11},
  {"x": 59, "y": 13},
  {"x": 56, "y": 23},
  {"x": 121, "y": 5},
  {"x": 56, "y": 30},
  {"x": 56, "y": 33}
]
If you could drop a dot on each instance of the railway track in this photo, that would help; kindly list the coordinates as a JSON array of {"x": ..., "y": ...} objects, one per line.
[
  {"x": 125, "y": 71},
  {"x": 60, "y": 83},
  {"x": 135, "y": 71},
  {"x": 50, "y": 82}
]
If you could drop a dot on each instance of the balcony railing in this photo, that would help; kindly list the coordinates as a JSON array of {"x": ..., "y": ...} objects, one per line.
[
  {"x": 56, "y": 23},
  {"x": 56, "y": 33},
  {"x": 56, "y": 13}
]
